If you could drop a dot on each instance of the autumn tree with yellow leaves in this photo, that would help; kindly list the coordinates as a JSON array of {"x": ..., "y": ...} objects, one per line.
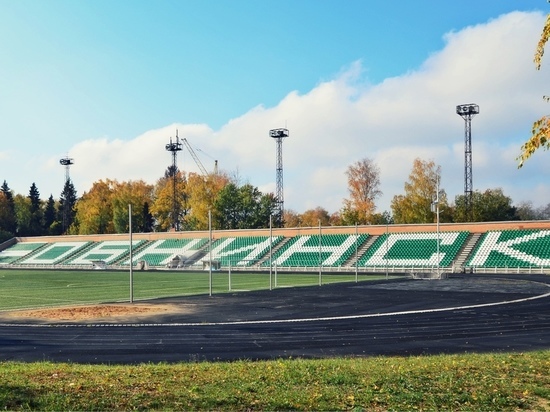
[
  {"x": 163, "y": 201},
  {"x": 364, "y": 188},
  {"x": 135, "y": 193},
  {"x": 203, "y": 192},
  {"x": 540, "y": 133},
  {"x": 104, "y": 208},
  {"x": 94, "y": 212},
  {"x": 312, "y": 217},
  {"x": 415, "y": 206}
]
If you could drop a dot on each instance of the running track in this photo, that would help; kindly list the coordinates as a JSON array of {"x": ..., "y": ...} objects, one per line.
[{"x": 467, "y": 313}]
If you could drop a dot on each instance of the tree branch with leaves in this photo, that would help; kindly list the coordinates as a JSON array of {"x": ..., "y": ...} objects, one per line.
[{"x": 540, "y": 133}]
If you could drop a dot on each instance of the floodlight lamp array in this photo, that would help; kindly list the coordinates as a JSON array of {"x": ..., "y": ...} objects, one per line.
[
  {"x": 467, "y": 109},
  {"x": 66, "y": 161},
  {"x": 173, "y": 147},
  {"x": 278, "y": 133}
]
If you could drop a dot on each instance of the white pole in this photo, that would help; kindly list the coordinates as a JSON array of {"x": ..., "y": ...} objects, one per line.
[
  {"x": 320, "y": 272},
  {"x": 229, "y": 275},
  {"x": 437, "y": 216},
  {"x": 210, "y": 253},
  {"x": 131, "y": 254},
  {"x": 386, "y": 255},
  {"x": 356, "y": 239},
  {"x": 270, "y": 251}
]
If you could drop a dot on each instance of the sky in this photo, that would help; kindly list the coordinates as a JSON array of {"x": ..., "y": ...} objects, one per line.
[{"x": 108, "y": 83}]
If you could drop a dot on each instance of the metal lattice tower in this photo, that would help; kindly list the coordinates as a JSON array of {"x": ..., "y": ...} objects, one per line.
[
  {"x": 279, "y": 135},
  {"x": 467, "y": 112},
  {"x": 174, "y": 148},
  {"x": 67, "y": 162}
]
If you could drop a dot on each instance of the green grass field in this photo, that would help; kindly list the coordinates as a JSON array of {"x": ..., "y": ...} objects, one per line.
[{"x": 22, "y": 289}]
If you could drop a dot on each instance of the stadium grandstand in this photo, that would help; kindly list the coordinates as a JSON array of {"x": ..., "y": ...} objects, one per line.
[{"x": 510, "y": 247}]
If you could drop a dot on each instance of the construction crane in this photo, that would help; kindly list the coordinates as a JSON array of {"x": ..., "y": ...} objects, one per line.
[
  {"x": 197, "y": 160},
  {"x": 194, "y": 156},
  {"x": 215, "y": 161}
]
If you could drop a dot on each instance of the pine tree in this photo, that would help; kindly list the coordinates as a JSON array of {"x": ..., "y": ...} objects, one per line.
[
  {"x": 8, "y": 219},
  {"x": 35, "y": 224},
  {"x": 50, "y": 217},
  {"x": 148, "y": 221},
  {"x": 66, "y": 211}
]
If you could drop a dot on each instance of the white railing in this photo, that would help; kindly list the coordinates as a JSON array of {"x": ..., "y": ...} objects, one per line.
[{"x": 302, "y": 269}]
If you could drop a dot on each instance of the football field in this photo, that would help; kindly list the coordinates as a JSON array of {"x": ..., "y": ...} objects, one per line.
[{"x": 22, "y": 289}]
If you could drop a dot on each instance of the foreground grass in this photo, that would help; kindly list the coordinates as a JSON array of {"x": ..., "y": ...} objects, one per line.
[{"x": 458, "y": 382}]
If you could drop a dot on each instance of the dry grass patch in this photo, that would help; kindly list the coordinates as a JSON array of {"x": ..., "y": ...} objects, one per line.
[{"x": 95, "y": 312}]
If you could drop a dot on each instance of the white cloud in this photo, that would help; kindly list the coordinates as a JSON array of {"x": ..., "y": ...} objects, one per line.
[{"x": 346, "y": 119}]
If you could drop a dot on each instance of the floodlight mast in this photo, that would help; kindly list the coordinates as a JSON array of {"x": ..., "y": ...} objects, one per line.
[
  {"x": 467, "y": 112},
  {"x": 279, "y": 135},
  {"x": 67, "y": 162},
  {"x": 174, "y": 148}
]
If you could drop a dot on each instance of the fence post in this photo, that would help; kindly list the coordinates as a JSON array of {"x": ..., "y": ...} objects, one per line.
[{"x": 131, "y": 256}]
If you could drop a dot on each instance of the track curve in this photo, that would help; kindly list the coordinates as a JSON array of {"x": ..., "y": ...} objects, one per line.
[{"x": 460, "y": 314}]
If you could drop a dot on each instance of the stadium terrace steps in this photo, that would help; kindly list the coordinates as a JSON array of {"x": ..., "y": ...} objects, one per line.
[
  {"x": 54, "y": 253},
  {"x": 160, "y": 253},
  {"x": 352, "y": 260},
  {"x": 78, "y": 252},
  {"x": 109, "y": 251},
  {"x": 264, "y": 261},
  {"x": 464, "y": 253},
  {"x": 317, "y": 250},
  {"x": 242, "y": 251}
]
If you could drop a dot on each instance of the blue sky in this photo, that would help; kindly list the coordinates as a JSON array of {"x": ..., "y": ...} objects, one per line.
[{"x": 108, "y": 82}]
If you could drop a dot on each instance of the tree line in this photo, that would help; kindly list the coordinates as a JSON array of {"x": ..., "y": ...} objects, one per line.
[
  {"x": 104, "y": 208},
  {"x": 417, "y": 204}
]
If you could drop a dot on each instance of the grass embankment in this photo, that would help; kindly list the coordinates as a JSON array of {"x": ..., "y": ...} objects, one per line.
[{"x": 459, "y": 382}]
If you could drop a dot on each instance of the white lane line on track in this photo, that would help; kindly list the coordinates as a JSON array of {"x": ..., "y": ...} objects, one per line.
[{"x": 273, "y": 321}]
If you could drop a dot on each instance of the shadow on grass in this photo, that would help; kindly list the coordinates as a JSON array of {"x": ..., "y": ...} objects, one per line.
[{"x": 14, "y": 397}]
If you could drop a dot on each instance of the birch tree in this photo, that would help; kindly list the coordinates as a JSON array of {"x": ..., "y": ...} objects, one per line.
[
  {"x": 364, "y": 189},
  {"x": 415, "y": 206}
]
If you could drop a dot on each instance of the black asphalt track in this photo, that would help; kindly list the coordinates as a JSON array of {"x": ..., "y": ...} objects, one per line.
[{"x": 492, "y": 313}]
